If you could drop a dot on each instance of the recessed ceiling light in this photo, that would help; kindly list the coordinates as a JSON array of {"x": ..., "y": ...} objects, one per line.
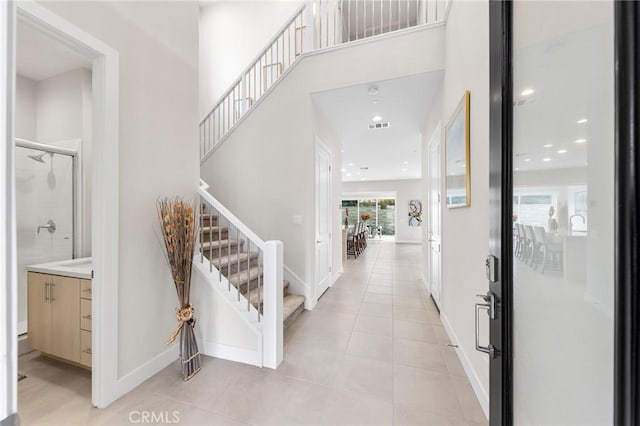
[
  {"x": 348, "y": 174},
  {"x": 546, "y": 159},
  {"x": 342, "y": 150},
  {"x": 343, "y": 170},
  {"x": 406, "y": 162},
  {"x": 516, "y": 169},
  {"x": 376, "y": 118},
  {"x": 373, "y": 90},
  {"x": 351, "y": 164},
  {"x": 375, "y": 101},
  {"x": 581, "y": 140},
  {"x": 548, "y": 145},
  {"x": 582, "y": 121},
  {"x": 404, "y": 170},
  {"x": 526, "y": 160},
  {"x": 562, "y": 151},
  {"x": 527, "y": 92}
]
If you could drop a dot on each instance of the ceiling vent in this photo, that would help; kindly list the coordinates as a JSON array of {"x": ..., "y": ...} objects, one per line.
[{"x": 375, "y": 126}]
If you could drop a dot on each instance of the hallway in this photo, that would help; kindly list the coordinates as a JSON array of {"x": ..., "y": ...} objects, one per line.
[{"x": 373, "y": 351}]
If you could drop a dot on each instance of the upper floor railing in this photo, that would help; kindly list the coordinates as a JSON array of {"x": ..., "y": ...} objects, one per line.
[{"x": 314, "y": 25}]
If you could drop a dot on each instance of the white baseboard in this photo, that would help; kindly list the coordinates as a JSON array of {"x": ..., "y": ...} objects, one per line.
[
  {"x": 298, "y": 286},
  {"x": 232, "y": 353},
  {"x": 149, "y": 369},
  {"x": 481, "y": 392},
  {"x": 408, "y": 242},
  {"x": 22, "y": 327}
]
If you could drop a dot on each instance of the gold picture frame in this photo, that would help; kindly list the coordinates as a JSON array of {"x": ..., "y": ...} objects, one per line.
[{"x": 457, "y": 155}]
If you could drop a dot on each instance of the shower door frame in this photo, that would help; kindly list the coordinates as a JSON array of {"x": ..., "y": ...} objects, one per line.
[{"x": 36, "y": 146}]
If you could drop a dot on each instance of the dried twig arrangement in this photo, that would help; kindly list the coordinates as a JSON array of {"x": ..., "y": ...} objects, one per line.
[{"x": 178, "y": 224}]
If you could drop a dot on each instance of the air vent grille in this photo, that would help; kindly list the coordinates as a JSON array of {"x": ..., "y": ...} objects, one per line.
[{"x": 376, "y": 126}]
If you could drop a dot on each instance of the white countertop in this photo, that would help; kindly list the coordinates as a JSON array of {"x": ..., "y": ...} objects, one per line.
[{"x": 76, "y": 268}]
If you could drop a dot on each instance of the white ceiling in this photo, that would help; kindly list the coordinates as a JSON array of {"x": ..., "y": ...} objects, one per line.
[
  {"x": 40, "y": 57},
  {"x": 392, "y": 153}
]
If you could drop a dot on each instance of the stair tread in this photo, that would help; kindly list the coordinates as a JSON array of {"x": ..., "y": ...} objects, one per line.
[
  {"x": 214, "y": 229},
  {"x": 291, "y": 303},
  {"x": 219, "y": 243},
  {"x": 241, "y": 277},
  {"x": 233, "y": 258}
]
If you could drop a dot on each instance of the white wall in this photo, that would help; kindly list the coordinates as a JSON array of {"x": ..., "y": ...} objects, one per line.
[
  {"x": 26, "y": 108},
  {"x": 465, "y": 231},
  {"x": 273, "y": 184},
  {"x": 158, "y": 155},
  {"x": 221, "y": 329},
  {"x": 404, "y": 191},
  {"x": 232, "y": 33}
]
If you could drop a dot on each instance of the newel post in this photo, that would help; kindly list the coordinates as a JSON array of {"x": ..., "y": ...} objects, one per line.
[{"x": 272, "y": 326}]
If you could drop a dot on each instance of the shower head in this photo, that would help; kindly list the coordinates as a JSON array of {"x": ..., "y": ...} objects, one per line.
[{"x": 39, "y": 158}]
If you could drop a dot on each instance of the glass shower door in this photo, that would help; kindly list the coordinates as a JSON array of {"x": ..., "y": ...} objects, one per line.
[{"x": 45, "y": 199}]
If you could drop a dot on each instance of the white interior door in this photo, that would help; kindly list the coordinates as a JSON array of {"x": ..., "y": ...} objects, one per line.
[
  {"x": 435, "y": 180},
  {"x": 323, "y": 218}
]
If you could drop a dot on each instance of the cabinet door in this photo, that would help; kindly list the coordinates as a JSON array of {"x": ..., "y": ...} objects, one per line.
[
  {"x": 65, "y": 318},
  {"x": 39, "y": 312}
]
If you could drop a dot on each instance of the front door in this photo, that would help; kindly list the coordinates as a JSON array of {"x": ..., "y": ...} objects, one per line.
[
  {"x": 435, "y": 183},
  {"x": 562, "y": 343},
  {"x": 323, "y": 219}
]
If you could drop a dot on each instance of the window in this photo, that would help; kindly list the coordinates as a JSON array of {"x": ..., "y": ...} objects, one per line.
[{"x": 381, "y": 211}]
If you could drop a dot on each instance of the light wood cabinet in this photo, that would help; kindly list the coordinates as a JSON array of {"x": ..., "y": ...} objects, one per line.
[
  {"x": 57, "y": 314},
  {"x": 39, "y": 312},
  {"x": 85, "y": 322}
]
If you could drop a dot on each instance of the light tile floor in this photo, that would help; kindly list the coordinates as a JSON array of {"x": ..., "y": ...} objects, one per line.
[{"x": 372, "y": 352}]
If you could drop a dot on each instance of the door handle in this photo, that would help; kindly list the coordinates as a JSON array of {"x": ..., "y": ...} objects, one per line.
[
  {"x": 51, "y": 298},
  {"x": 490, "y": 307},
  {"x": 46, "y": 292}
]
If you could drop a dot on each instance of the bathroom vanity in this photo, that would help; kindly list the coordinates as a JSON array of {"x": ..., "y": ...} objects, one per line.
[{"x": 59, "y": 310}]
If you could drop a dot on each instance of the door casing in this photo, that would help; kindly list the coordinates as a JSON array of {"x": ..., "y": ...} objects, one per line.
[{"x": 322, "y": 233}]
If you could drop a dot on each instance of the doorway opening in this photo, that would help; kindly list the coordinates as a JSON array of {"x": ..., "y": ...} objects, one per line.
[
  {"x": 53, "y": 174},
  {"x": 66, "y": 149}
]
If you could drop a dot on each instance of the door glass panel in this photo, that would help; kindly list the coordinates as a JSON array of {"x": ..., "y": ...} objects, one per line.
[{"x": 563, "y": 197}]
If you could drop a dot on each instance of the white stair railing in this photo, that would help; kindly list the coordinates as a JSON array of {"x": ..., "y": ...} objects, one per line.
[
  {"x": 281, "y": 51},
  {"x": 252, "y": 269},
  {"x": 316, "y": 25}
]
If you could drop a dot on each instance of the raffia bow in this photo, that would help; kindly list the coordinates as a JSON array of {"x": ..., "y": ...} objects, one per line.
[{"x": 183, "y": 316}]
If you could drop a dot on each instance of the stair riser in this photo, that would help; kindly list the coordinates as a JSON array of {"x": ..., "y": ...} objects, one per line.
[
  {"x": 206, "y": 236},
  {"x": 252, "y": 284},
  {"x": 206, "y": 220},
  {"x": 288, "y": 321}
]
